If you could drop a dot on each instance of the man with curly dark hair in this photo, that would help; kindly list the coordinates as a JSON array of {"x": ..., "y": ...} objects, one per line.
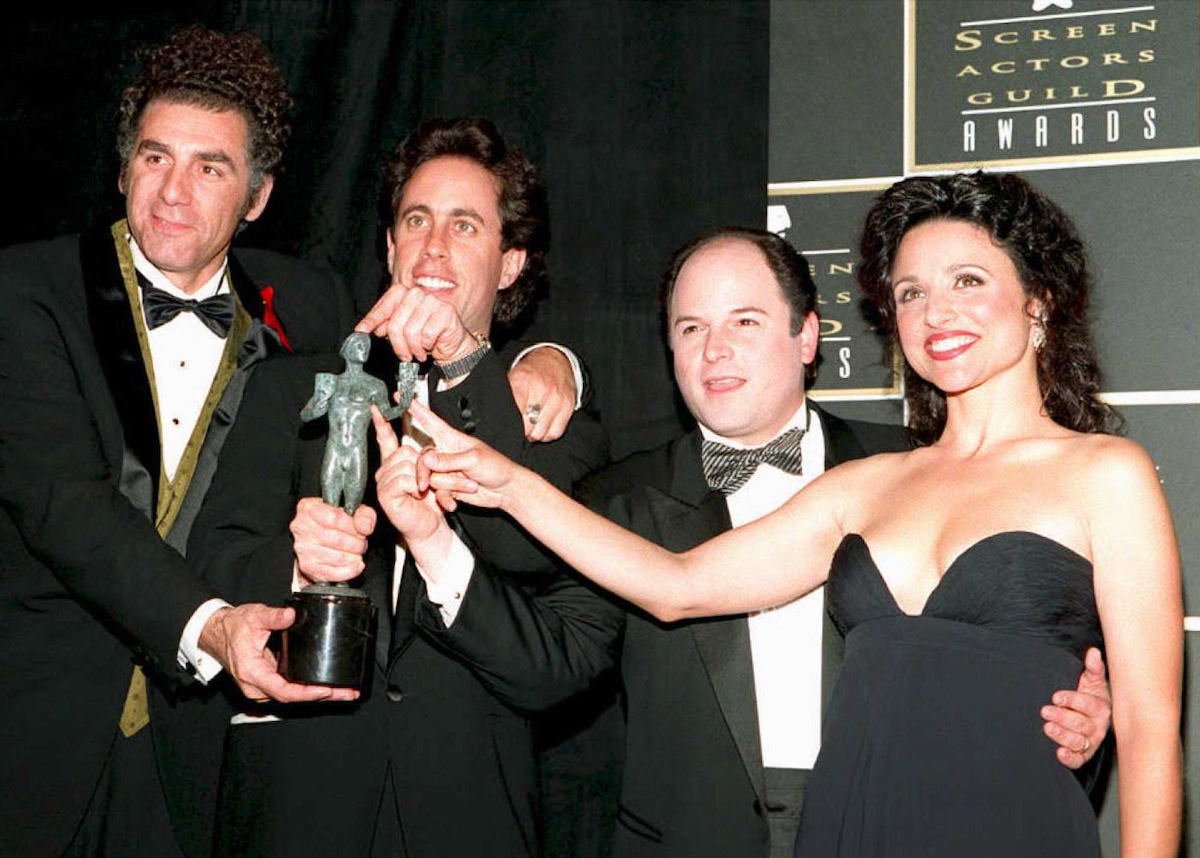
[{"x": 124, "y": 353}]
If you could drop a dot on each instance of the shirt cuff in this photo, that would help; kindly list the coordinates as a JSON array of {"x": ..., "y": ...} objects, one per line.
[
  {"x": 203, "y": 665},
  {"x": 572, "y": 359},
  {"x": 446, "y": 586}
]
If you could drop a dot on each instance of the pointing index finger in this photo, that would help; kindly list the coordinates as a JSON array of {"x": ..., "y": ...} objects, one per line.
[
  {"x": 439, "y": 431},
  {"x": 385, "y": 435},
  {"x": 379, "y": 314}
]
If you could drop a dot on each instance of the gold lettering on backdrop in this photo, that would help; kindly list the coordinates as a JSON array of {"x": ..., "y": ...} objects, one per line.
[
  {"x": 967, "y": 40},
  {"x": 1074, "y": 61},
  {"x": 1044, "y": 129},
  {"x": 1038, "y": 64},
  {"x": 1121, "y": 88},
  {"x": 973, "y": 39}
]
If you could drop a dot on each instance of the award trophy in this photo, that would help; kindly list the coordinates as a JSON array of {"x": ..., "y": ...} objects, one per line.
[{"x": 330, "y": 643}]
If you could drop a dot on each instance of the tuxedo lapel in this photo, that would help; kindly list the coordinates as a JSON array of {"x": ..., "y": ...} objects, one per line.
[
  {"x": 255, "y": 342},
  {"x": 247, "y": 290},
  {"x": 114, "y": 332},
  {"x": 692, "y": 514}
]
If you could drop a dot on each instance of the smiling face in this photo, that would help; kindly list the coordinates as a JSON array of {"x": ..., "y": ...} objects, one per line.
[
  {"x": 187, "y": 187},
  {"x": 962, "y": 313},
  {"x": 446, "y": 238},
  {"x": 738, "y": 367}
]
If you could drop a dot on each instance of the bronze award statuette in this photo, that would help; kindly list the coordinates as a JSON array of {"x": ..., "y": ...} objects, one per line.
[{"x": 331, "y": 641}]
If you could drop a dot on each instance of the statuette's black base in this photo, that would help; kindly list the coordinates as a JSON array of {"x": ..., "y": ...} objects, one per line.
[{"x": 332, "y": 639}]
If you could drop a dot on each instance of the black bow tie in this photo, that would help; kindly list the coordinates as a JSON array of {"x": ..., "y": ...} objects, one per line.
[
  {"x": 727, "y": 469},
  {"x": 161, "y": 307}
]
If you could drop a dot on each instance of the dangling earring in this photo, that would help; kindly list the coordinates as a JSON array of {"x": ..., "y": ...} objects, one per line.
[{"x": 1039, "y": 334}]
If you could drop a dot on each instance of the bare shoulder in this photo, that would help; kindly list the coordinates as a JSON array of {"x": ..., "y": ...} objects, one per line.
[
  {"x": 871, "y": 473},
  {"x": 1115, "y": 485},
  {"x": 1111, "y": 463}
]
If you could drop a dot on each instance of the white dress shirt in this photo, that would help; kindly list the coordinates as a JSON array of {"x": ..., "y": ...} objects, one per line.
[
  {"x": 184, "y": 357},
  {"x": 785, "y": 642}
]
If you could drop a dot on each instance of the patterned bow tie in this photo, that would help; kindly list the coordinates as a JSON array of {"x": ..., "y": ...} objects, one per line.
[
  {"x": 727, "y": 469},
  {"x": 161, "y": 307}
]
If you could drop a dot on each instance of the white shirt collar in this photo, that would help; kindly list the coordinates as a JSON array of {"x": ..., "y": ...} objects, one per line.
[{"x": 800, "y": 418}]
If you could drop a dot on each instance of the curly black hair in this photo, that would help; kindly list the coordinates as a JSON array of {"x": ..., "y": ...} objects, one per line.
[
  {"x": 1050, "y": 258},
  {"x": 216, "y": 71},
  {"x": 523, "y": 205}
]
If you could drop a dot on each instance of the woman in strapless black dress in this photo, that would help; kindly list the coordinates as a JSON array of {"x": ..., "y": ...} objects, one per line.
[{"x": 968, "y": 575}]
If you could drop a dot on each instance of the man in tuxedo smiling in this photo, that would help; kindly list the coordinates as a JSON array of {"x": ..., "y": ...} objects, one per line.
[{"x": 140, "y": 336}]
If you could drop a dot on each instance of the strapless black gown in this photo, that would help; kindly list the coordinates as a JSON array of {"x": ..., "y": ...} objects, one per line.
[{"x": 933, "y": 742}]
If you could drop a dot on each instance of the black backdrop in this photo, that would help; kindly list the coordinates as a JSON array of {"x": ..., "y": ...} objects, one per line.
[{"x": 648, "y": 119}]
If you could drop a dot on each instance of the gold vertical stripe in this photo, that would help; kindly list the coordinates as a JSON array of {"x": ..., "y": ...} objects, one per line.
[{"x": 135, "y": 714}]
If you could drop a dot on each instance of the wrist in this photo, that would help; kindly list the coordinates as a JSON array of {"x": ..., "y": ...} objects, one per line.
[
  {"x": 431, "y": 551},
  {"x": 213, "y": 636},
  {"x": 467, "y": 356},
  {"x": 516, "y": 491}
]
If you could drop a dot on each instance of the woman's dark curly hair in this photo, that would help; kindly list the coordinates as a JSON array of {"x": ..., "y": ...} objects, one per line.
[
  {"x": 1050, "y": 258},
  {"x": 524, "y": 210},
  {"x": 216, "y": 71}
]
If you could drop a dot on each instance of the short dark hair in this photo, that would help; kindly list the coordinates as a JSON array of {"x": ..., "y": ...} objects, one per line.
[
  {"x": 216, "y": 71},
  {"x": 524, "y": 210},
  {"x": 787, "y": 264},
  {"x": 1050, "y": 259}
]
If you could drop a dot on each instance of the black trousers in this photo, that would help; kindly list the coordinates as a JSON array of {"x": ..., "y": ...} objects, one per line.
[{"x": 127, "y": 815}]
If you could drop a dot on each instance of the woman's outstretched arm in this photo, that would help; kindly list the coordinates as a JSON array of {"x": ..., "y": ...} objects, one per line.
[
  {"x": 764, "y": 564},
  {"x": 1139, "y": 595}
]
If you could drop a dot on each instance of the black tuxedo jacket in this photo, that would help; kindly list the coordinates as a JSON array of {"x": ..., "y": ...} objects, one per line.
[
  {"x": 87, "y": 587},
  {"x": 449, "y": 710},
  {"x": 692, "y": 782}
]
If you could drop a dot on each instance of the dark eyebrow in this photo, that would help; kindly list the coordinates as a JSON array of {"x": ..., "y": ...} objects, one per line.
[
  {"x": 471, "y": 213},
  {"x": 424, "y": 209},
  {"x": 735, "y": 311},
  {"x": 747, "y": 310},
  {"x": 215, "y": 157}
]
